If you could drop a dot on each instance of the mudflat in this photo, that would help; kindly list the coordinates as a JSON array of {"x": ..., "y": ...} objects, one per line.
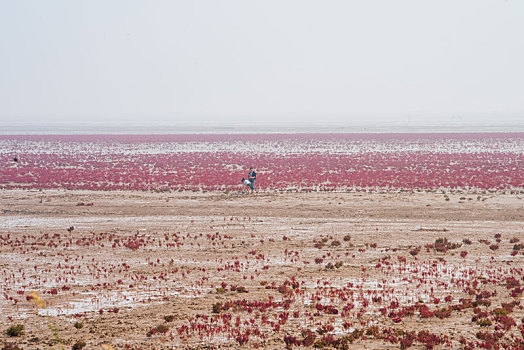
[{"x": 198, "y": 270}]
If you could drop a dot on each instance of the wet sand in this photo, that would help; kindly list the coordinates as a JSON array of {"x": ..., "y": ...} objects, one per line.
[{"x": 135, "y": 257}]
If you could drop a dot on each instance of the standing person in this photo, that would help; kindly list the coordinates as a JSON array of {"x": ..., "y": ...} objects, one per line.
[{"x": 252, "y": 177}]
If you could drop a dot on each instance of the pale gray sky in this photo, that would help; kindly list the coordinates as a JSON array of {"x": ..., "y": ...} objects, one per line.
[{"x": 260, "y": 61}]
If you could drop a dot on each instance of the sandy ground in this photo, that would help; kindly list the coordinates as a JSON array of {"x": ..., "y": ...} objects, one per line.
[{"x": 134, "y": 258}]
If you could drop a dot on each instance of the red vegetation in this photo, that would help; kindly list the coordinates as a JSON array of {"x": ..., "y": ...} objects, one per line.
[{"x": 192, "y": 162}]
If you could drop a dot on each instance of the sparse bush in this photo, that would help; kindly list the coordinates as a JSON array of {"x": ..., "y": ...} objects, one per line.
[
  {"x": 241, "y": 289},
  {"x": 217, "y": 307},
  {"x": 335, "y": 243},
  {"x": 443, "y": 245},
  {"x": 283, "y": 289},
  {"x": 11, "y": 346},
  {"x": 78, "y": 325},
  {"x": 162, "y": 329},
  {"x": 15, "y": 331},
  {"x": 414, "y": 251},
  {"x": 79, "y": 345},
  {"x": 500, "y": 311},
  {"x": 169, "y": 318}
]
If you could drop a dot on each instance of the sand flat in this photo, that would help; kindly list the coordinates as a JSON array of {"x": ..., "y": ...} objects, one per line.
[{"x": 135, "y": 257}]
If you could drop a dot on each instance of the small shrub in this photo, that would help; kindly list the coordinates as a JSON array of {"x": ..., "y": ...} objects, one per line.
[
  {"x": 347, "y": 238},
  {"x": 414, "y": 251},
  {"x": 335, "y": 243},
  {"x": 11, "y": 346},
  {"x": 500, "y": 311},
  {"x": 283, "y": 289},
  {"x": 169, "y": 318},
  {"x": 241, "y": 289},
  {"x": 158, "y": 329},
  {"x": 443, "y": 313},
  {"x": 330, "y": 266},
  {"x": 484, "y": 322},
  {"x": 373, "y": 331},
  {"x": 290, "y": 341},
  {"x": 217, "y": 307},
  {"x": 79, "y": 345},
  {"x": 162, "y": 329},
  {"x": 308, "y": 337},
  {"x": 443, "y": 245},
  {"x": 78, "y": 325},
  {"x": 15, "y": 331}
]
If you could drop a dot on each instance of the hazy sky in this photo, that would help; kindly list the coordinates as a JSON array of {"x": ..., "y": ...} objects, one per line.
[{"x": 260, "y": 61}]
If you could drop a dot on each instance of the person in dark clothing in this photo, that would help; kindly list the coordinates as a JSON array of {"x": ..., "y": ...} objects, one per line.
[{"x": 251, "y": 178}]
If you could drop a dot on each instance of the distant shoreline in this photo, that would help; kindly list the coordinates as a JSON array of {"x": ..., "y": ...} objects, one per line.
[
  {"x": 253, "y": 137},
  {"x": 379, "y": 128}
]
